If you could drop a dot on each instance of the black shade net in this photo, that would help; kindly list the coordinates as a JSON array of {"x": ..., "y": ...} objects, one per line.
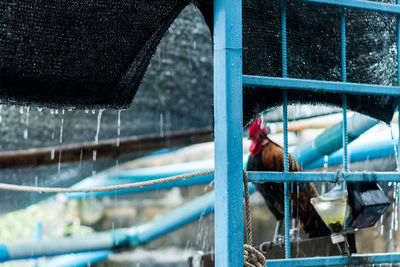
[{"x": 95, "y": 53}]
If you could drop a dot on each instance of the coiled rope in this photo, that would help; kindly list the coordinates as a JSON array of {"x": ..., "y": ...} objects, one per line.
[{"x": 252, "y": 257}]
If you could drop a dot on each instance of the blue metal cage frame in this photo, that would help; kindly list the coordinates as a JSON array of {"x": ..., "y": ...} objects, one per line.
[{"x": 228, "y": 84}]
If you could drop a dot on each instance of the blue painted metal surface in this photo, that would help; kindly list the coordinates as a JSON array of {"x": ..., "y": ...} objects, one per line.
[
  {"x": 78, "y": 259},
  {"x": 360, "y": 259},
  {"x": 398, "y": 105},
  {"x": 325, "y": 86},
  {"x": 228, "y": 116},
  {"x": 332, "y": 177},
  {"x": 359, "y": 4}
]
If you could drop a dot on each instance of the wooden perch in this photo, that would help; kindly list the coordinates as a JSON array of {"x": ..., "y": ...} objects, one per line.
[{"x": 104, "y": 149}]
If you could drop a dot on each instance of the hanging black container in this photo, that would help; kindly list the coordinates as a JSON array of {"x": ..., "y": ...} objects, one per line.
[{"x": 367, "y": 203}]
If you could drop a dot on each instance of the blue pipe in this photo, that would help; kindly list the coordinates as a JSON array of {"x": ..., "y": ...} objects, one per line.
[
  {"x": 359, "y": 150},
  {"x": 78, "y": 259},
  {"x": 127, "y": 237},
  {"x": 331, "y": 140}
]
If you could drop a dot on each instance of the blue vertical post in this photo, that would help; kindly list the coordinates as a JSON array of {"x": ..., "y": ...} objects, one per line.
[
  {"x": 228, "y": 117},
  {"x": 285, "y": 130},
  {"x": 344, "y": 79},
  {"x": 398, "y": 113}
]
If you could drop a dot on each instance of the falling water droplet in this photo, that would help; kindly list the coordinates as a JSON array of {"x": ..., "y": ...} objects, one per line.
[
  {"x": 326, "y": 158},
  {"x": 36, "y": 181},
  {"x": 161, "y": 124},
  {"x": 118, "y": 126},
  {"x": 21, "y": 110},
  {"x": 96, "y": 138},
  {"x": 93, "y": 111},
  {"x": 56, "y": 111},
  {"x": 395, "y": 148},
  {"x": 80, "y": 158},
  {"x": 26, "y": 123},
  {"x": 52, "y": 153},
  {"x": 39, "y": 109},
  {"x": 61, "y": 130},
  {"x": 94, "y": 155},
  {"x": 86, "y": 111},
  {"x": 52, "y": 111},
  {"x": 59, "y": 161}
]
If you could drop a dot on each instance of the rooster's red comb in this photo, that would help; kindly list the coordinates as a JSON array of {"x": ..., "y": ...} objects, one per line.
[{"x": 256, "y": 128}]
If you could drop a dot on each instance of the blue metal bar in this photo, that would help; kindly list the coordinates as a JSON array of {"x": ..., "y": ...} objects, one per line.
[
  {"x": 332, "y": 177},
  {"x": 357, "y": 259},
  {"x": 345, "y": 135},
  {"x": 285, "y": 132},
  {"x": 398, "y": 112},
  {"x": 228, "y": 115},
  {"x": 359, "y": 4},
  {"x": 316, "y": 85}
]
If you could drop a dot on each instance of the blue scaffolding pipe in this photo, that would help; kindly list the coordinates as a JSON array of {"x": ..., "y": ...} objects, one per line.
[
  {"x": 357, "y": 259},
  {"x": 359, "y": 4},
  {"x": 332, "y": 139},
  {"x": 78, "y": 259},
  {"x": 228, "y": 121},
  {"x": 332, "y": 177},
  {"x": 323, "y": 86}
]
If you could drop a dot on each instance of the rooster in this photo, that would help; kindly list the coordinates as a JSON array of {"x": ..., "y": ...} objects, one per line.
[{"x": 266, "y": 155}]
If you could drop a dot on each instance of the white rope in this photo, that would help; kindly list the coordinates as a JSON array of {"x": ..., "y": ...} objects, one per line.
[{"x": 14, "y": 187}]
